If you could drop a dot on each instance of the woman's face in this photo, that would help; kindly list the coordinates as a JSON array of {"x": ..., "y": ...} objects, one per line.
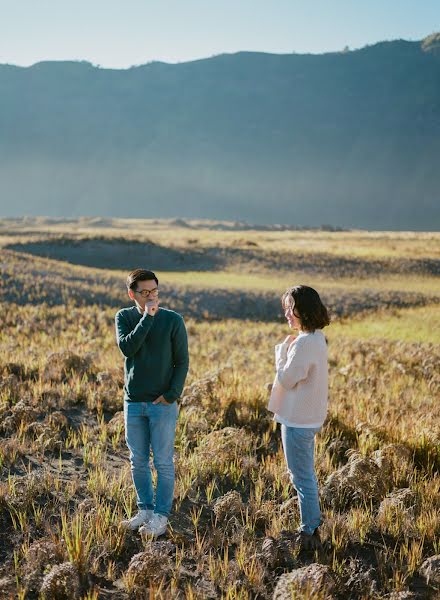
[{"x": 292, "y": 319}]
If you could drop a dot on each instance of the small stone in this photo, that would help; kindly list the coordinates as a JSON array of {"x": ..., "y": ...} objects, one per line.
[
  {"x": 269, "y": 551},
  {"x": 404, "y": 595},
  {"x": 58, "y": 420},
  {"x": 228, "y": 505},
  {"x": 361, "y": 480},
  {"x": 59, "y": 365},
  {"x": 104, "y": 377},
  {"x": 401, "y": 501},
  {"x": 61, "y": 583},
  {"x": 116, "y": 423},
  {"x": 153, "y": 563},
  {"x": 360, "y": 578},
  {"x": 430, "y": 570},
  {"x": 313, "y": 579},
  {"x": 392, "y": 459},
  {"x": 278, "y": 552}
]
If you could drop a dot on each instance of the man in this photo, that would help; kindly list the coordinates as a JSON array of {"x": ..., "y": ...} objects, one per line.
[{"x": 154, "y": 342}]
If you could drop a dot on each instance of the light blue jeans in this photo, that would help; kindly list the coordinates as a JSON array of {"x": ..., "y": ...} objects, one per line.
[
  {"x": 299, "y": 450},
  {"x": 152, "y": 426}
]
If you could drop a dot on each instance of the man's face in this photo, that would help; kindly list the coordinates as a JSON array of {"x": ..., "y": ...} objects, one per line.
[{"x": 144, "y": 291}]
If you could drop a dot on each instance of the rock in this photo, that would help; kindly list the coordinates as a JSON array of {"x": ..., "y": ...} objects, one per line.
[
  {"x": 48, "y": 440},
  {"x": 278, "y": 552},
  {"x": 404, "y": 595},
  {"x": 399, "y": 502},
  {"x": 105, "y": 377},
  {"x": 87, "y": 505},
  {"x": 337, "y": 449},
  {"x": 36, "y": 428},
  {"x": 202, "y": 391},
  {"x": 263, "y": 514},
  {"x": 58, "y": 420},
  {"x": 314, "y": 579},
  {"x": 116, "y": 423},
  {"x": 22, "y": 412},
  {"x": 205, "y": 589},
  {"x": 392, "y": 459},
  {"x": 196, "y": 421},
  {"x": 8, "y": 424},
  {"x": 153, "y": 563},
  {"x": 269, "y": 551},
  {"x": 61, "y": 583},
  {"x": 230, "y": 532},
  {"x": 41, "y": 555},
  {"x": 361, "y": 480},
  {"x": 109, "y": 383},
  {"x": 430, "y": 570},
  {"x": 228, "y": 505},
  {"x": 16, "y": 369},
  {"x": 9, "y": 384},
  {"x": 360, "y": 579},
  {"x": 59, "y": 366},
  {"x": 8, "y": 586},
  {"x": 163, "y": 547}
]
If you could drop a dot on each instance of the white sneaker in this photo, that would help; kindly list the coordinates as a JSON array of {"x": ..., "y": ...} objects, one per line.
[
  {"x": 143, "y": 516},
  {"x": 156, "y": 526}
]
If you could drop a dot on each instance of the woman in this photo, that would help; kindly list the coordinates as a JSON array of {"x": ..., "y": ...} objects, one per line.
[{"x": 299, "y": 399}]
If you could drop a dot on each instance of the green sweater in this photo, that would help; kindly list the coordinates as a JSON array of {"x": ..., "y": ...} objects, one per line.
[{"x": 156, "y": 354}]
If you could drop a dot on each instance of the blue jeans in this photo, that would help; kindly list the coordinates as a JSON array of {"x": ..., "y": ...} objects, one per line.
[
  {"x": 152, "y": 426},
  {"x": 299, "y": 450}
]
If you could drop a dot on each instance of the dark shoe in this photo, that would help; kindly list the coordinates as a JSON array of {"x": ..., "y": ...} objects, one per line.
[{"x": 309, "y": 541}]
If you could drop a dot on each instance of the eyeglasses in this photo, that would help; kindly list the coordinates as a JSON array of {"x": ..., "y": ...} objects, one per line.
[{"x": 147, "y": 293}]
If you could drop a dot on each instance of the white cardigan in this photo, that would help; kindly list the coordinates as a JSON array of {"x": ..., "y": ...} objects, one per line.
[{"x": 300, "y": 389}]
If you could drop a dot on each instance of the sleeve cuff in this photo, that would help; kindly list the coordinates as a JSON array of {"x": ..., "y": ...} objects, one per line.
[
  {"x": 169, "y": 397},
  {"x": 146, "y": 318},
  {"x": 281, "y": 353}
]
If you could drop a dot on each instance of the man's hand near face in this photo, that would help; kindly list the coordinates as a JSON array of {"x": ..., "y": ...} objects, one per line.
[
  {"x": 161, "y": 400},
  {"x": 151, "y": 307}
]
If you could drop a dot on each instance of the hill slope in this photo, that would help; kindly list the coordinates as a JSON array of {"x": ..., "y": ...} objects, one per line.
[{"x": 348, "y": 139}]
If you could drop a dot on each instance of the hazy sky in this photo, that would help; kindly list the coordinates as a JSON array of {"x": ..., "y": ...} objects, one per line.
[{"x": 120, "y": 33}]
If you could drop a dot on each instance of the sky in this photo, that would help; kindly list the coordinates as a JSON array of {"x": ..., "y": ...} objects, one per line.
[{"x": 122, "y": 33}]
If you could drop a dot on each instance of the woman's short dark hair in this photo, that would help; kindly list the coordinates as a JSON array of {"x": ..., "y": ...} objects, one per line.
[
  {"x": 307, "y": 306},
  {"x": 140, "y": 275}
]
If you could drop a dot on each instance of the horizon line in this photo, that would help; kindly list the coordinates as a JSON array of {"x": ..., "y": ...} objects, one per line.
[{"x": 345, "y": 50}]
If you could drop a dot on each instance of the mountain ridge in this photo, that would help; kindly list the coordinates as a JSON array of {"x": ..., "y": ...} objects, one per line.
[{"x": 344, "y": 138}]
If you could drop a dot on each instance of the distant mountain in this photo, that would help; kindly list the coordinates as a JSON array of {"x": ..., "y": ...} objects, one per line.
[{"x": 349, "y": 139}]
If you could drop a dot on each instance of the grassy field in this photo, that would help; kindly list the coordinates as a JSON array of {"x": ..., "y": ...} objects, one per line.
[
  {"x": 421, "y": 324},
  {"x": 364, "y": 244},
  {"x": 65, "y": 480},
  {"x": 276, "y": 282}
]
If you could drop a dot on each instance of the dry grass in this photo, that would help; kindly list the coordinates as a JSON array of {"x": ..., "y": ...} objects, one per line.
[
  {"x": 65, "y": 481},
  {"x": 363, "y": 244}
]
